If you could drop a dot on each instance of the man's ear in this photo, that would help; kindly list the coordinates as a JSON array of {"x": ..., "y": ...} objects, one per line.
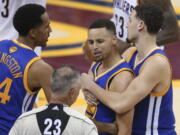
[
  {"x": 141, "y": 25},
  {"x": 71, "y": 92},
  {"x": 33, "y": 33},
  {"x": 114, "y": 40}
]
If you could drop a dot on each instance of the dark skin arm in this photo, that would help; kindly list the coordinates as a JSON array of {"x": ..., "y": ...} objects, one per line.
[
  {"x": 39, "y": 76},
  {"x": 169, "y": 31},
  {"x": 106, "y": 128}
]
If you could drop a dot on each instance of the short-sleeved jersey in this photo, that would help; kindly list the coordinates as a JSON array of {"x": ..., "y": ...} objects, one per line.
[
  {"x": 15, "y": 95},
  {"x": 53, "y": 119},
  {"x": 101, "y": 112},
  {"x": 7, "y": 10},
  {"x": 122, "y": 11},
  {"x": 154, "y": 114}
]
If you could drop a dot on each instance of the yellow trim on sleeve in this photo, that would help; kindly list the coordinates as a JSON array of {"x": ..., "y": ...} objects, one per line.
[
  {"x": 25, "y": 79},
  {"x": 131, "y": 54},
  {"x": 162, "y": 93},
  {"x": 117, "y": 72},
  {"x": 156, "y": 48},
  {"x": 22, "y": 45}
]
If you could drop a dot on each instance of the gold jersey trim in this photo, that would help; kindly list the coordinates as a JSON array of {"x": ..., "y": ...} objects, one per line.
[
  {"x": 25, "y": 79},
  {"x": 162, "y": 93}
]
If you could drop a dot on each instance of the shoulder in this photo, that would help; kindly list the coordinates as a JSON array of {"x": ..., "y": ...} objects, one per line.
[
  {"x": 158, "y": 60},
  {"x": 77, "y": 115},
  {"x": 41, "y": 66},
  {"x": 121, "y": 80},
  {"x": 32, "y": 112},
  {"x": 128, "y": 53},
  {"x": 159, "y": 63}
]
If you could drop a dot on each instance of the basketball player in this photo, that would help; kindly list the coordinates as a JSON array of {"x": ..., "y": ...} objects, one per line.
[
  {"x": 151, "y": 91},
  {"x": 168, "y": 33},
  {"x": 7, "y": 10},
  {"x": 22, "y": 72},
  {"x": 57, "y": 118},
  {"x": 111, "y": 73}
]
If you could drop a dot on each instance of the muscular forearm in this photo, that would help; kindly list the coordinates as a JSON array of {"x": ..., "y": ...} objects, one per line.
[
  {"x": 124, "y": 122},
  {"x": 110, "y": 128},
  {"x": 113, "y": 100}
]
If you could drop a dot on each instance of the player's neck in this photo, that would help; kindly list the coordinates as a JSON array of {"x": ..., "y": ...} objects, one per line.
[
  {"x": 60, "y": 100},
  {"x": 26, "y": 41},
  {"x": 111, "y": 60},
  {"x": 144, "y": 45}
]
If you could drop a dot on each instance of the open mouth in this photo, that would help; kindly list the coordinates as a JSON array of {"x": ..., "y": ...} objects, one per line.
[{"x": 97, "y": 54}]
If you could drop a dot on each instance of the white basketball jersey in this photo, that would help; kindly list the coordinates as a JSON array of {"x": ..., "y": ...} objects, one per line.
[
  {"x": 7, "y": 10},
  {"x": 122, "y": 11}
]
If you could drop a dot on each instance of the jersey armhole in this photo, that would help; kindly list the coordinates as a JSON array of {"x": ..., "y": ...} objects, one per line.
[
  {"x": 25, "y": 78},
  {"x": 131, "y": 54},
  {"x": 162, "y": 93},
  {"x": 113, "y": 75}
]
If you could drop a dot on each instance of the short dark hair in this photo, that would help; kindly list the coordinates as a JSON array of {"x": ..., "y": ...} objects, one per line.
[
  {"x": 64, "y": 78},
  {"x": 152, "y": 15},
  {"x": 101, "y": 23},
  {"x": 28, "y": 17}
]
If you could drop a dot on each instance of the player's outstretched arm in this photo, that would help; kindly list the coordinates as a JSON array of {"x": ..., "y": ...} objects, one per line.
[{"x": 139, "y": 88}]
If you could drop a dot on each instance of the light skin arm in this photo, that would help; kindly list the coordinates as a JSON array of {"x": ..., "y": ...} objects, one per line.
[
  {"x": 89, "y": 97},
  {"x": 123, "y": 121},
  {"x": 39, "y": 76},
  {"x": 119, "y": 84},
  {"x": 102, "y": 127},
  {"x": 139, "y": 88}
]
